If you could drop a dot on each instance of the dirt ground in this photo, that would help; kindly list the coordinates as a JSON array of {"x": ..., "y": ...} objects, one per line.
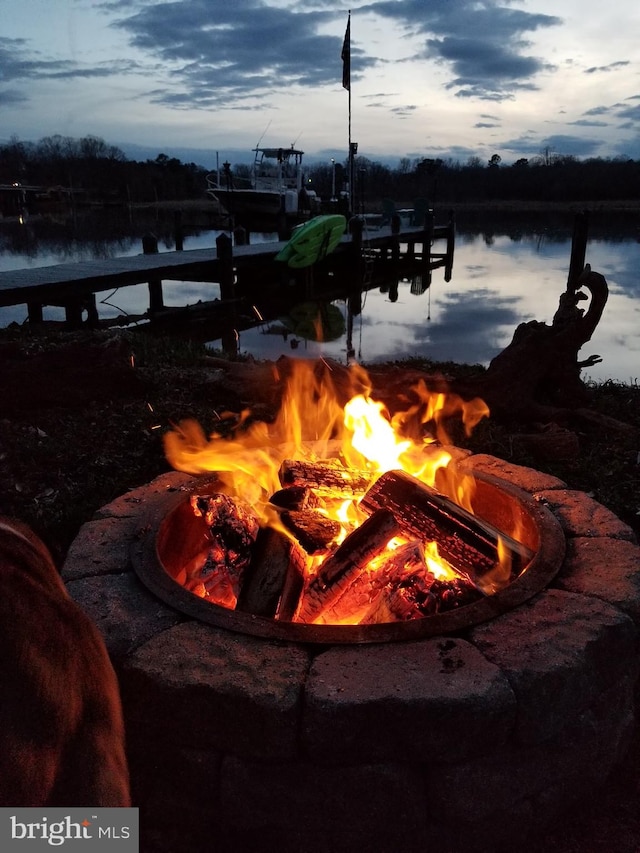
[{"x": 81, "y": 422}]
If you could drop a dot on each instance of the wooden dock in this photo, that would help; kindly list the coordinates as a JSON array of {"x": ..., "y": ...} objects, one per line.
[{"x": 74, "y": 285}]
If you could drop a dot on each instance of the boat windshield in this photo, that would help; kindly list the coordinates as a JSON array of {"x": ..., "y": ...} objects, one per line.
[{"x": 277, "y": 168}]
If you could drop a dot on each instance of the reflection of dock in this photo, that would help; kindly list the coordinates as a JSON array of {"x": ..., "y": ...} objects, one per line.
[{"x": 362, "y": 260}]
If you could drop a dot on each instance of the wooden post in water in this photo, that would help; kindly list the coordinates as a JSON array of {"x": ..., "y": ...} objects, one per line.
[
  {"x": 395, "y": 239},
  {"x": 73, "y": 309},
  {"x": 156, "y": 301},
  {"x": 241, "y": 236},
  {"x": 578, "y": 248},
  {"x": 451, "y": 241},
  {"x": 34, "y": 312},
  {"x": 179, "y": 233},
  {"x": 73, "y": 313},
  {"x": 427, "y": 240},
  {"x": 224, "y": 248},
  {"x": 410, "y": 254},
  {"x": 356, "y": 226},
  {"x": 91, "y": 307}
]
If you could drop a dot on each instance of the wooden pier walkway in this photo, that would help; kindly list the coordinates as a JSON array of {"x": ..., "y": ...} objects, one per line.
[{"x": 74, "y": 285}]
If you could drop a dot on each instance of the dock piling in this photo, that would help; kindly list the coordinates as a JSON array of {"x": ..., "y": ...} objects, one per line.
[
  {"x": 224, "y": 248},
  {"x": 579, "y": 241},
  {"x": 178, "y": 230},
  {"x": 395, "y": 240},
  {"x": 241, "y": 236},
  {"x": 156, "y": 300},
  {"x": 35, "y": 312},
  {"x": 427, "y": 242}
]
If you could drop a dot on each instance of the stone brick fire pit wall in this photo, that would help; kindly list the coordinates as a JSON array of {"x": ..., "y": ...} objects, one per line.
[{"x": 465, "y": 742}]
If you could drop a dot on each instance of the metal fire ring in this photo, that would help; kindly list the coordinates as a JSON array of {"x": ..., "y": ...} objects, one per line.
[{"x": 165, "y": 541}]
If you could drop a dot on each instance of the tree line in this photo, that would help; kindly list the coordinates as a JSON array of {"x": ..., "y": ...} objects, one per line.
[
  {"x": 105, "y": 174},
  {"x": 540, "y": 179},
  {"x": 100, "y": 170}
]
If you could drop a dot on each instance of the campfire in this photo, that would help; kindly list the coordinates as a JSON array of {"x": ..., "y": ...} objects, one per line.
[{"x": 340, "y": 513}]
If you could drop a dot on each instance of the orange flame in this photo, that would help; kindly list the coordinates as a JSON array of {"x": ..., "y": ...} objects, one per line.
[
  {"x": 310, "y": 423},
  {"x": 319, "y": 419}
]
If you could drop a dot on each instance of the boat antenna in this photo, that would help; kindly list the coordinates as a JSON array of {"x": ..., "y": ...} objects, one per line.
[{"x": 263, "y": 133}]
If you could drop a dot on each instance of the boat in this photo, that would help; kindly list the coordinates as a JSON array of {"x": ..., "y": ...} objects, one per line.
[{"x": 276, "y": 187}]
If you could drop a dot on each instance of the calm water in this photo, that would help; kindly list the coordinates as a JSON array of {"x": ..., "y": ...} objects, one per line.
[{"x": 506, "y": 271}]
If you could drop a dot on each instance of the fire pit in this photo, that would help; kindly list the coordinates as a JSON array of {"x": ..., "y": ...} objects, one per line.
[
  {"x": 175, "y": 535},
  {"x": 442, "y": 743},
  {"x": 465, "y": 729},
  {"x": 367, "y": 533}
]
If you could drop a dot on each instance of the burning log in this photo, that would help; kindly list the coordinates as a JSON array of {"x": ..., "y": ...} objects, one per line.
[
  {"x": 401, "y": 588},
  {"x": 215, "y": 580},
  {"x": 467, "y": 542},
  {"x": 231, "y": 532},
  {"x": 409, "y": 599},
  {"x": 292, "y": 590},
  {"x": 295, "y": 498},
  {"x": 351, "y": 557},
  {"x": 365, "y": 593},
  {"x": 275, "y": 556},
  {"x": 326, "y": 477},
  {"x": 421, "y": 595},
  {"x": 314, "y": 532}
]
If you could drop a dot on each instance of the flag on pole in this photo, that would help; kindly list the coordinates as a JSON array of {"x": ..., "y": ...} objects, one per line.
[{"x": 346, "y": 56}]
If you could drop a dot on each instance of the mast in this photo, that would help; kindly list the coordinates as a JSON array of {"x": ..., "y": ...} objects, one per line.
[{"x": 346, "y": 83}]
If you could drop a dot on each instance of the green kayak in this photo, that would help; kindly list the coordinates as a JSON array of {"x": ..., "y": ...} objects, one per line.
[{"x": 313, "y": 240}]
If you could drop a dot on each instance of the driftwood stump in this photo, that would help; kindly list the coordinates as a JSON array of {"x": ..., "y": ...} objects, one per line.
[{"x": 537, "y": 376}]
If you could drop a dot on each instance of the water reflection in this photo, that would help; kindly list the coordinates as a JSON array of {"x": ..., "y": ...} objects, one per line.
[
  {"x": 95, "y": 235},
  {"x": 508, "y": 269}
]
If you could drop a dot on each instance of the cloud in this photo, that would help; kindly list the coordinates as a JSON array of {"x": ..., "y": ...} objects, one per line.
[
  {"x": 613, "y": 66},
  {"x": 20, "y": 66},
  {"x": 17, "y": 64},
  {"x": 584, "y": 122},
  {"x": 223, "y": 54},
  {"x": 597, "y": 111},
  {"x": 205, "y": 54},
  {"x": 452, "y": 153},
  {"x": 501, "y": 69},
  {"x": 627, "y": 112},
  {"x": 490, "y": 63},
  {"x": 10, "y": 97},
  {"x": 404, "y": 111},
  {"x": 560, "y": 144},
  {"x": 219, "y": 54},
  {"x": 198, "y": 58}
]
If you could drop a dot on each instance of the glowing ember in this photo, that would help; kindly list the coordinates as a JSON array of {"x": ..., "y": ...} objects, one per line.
[{"x": 345, "y": 551}]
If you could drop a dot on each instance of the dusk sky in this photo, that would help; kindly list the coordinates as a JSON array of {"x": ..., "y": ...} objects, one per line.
[{"x": 430, "y": 78}]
